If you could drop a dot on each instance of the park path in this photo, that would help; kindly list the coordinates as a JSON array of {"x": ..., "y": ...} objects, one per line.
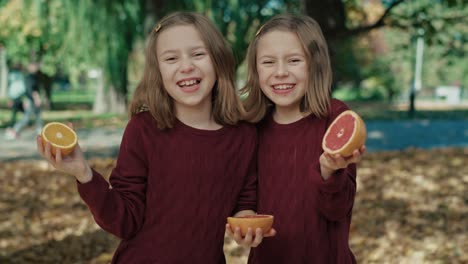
[
  {"x": 399, "y": 135},
  {"x": 382, "y": 136},
  {"x": 102, "y": 142}
]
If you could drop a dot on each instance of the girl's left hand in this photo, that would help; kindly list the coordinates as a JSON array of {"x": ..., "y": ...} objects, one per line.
[
  {"x": 331, "y": 163},
  {"x": 250, "y": 239}
]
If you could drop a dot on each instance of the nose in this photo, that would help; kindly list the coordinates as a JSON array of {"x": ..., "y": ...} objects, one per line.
[
  {"x": 281, "y": 70},
  {"x": 186, "y": 65}
]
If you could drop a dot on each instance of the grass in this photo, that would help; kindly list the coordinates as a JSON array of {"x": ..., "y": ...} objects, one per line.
[
  {"x": 80, "y": 118},
  {"x": 75, "y": 105},
  {"x": 369, "y": 111},
  {"x": 72, "y": 106},
  {"x": 424, "y": 110},
  {"x": 73, "y": 96}
]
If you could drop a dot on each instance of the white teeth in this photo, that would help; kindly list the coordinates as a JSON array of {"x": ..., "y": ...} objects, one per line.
[
  {"x": 283, "y": 86},
  {"x": 188, "y": 83}
]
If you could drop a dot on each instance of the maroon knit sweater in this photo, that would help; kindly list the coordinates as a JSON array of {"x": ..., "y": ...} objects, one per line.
[
  {"x": 312, "y": 216},
  {"x": 172, "y": 191}
]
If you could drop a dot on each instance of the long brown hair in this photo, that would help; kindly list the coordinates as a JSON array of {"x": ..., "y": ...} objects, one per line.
[
  {"x": 317, "y": 96},
  {"x": 150, "y": 94}
]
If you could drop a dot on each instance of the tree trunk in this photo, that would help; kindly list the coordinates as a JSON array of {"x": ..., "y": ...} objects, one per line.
[
  {"x": 108, "y": 100},
  {"x": 330, "y": 14},
  {"x": 117, "y": 98},
  {"x": 117, "y": 102},
  {"x": 3, "y": 73},
  {"x": 153, "y": 11},
  {"x": 100, "y": 105}
]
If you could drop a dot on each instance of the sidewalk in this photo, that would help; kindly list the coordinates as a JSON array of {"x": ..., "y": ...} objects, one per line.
[
  {"x": 97, "y": 142},
  {"x": 381, "y": 136},
  {"x": 426, "y": 134}
]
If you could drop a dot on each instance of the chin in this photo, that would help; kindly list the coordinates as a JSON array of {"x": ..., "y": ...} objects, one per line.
[{"x": 286, "y": 103}]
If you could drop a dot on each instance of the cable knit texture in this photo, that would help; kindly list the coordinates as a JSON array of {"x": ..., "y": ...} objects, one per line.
[
  {"x": 312, "y": 216},
  {"x": 172, "y": 191}
]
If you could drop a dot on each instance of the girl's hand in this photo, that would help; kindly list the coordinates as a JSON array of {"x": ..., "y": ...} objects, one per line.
[
  {"x": 74, "y": 163},
  {"x": 331, "y": 163},
  {"x": 250, "y": 239}
]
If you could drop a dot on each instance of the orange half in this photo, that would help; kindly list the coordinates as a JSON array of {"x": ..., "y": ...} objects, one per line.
[{"x": 60, "y": 136}]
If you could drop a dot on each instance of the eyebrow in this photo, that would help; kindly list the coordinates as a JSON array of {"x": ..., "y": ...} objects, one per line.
[
  {"x": 174, "y": 51},
  {"x": 287, "y": 55}
]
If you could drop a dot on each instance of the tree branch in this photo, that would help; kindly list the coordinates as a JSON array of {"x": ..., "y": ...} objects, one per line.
[{"x": 379, "y": 23}]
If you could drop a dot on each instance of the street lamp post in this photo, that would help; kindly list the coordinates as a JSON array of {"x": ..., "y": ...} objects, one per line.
[
  {"x": 417, "y": 79},
  {"x": 3, "y": 72}
]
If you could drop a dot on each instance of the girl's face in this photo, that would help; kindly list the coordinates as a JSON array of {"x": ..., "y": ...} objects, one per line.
[
  {"x": 186, "y": 67},
  {"x": 282, "y": 69}
]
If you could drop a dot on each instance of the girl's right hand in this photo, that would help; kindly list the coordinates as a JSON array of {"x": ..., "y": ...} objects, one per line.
[
  {"x": 250, "y": 239},
  {"x": 331, "y": 163},
  {"x": 74, "y": 163}
]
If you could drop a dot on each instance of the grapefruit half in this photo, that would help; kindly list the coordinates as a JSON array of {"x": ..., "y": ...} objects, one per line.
[
  {"x": 253, "y": 221},
  {"x": 345, "y": 134}
]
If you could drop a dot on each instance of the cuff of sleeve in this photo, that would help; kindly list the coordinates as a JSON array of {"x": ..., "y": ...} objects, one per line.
[
  {"x": 243, "y": 208},
  {"x": 92, "y": 188},
  {"x": 334, "y": 183},
  {"x": 246, "y": 206}
]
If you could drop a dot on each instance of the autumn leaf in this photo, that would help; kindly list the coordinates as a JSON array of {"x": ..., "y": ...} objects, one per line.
[{"x": 411, "y": 207}]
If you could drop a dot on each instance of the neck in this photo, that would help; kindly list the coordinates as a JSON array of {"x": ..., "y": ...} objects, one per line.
[
  {"x": 200, "y": 116},
  {"x": 287, "y": 115}
]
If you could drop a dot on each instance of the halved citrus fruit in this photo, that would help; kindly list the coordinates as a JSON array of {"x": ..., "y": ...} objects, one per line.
[
  {"x": 60, "y": 136},
  {"x": 253, "y": 221},
  {"x": 345, "y": 134}
]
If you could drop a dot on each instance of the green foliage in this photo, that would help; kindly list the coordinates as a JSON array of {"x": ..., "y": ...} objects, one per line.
[
  {"x": 380, "y": 64},
  {"x": 238, "y": 26},
  {"x": 74, "y": 36},
  {"x": 112, "y": 27},
  {"x": 238, "y": 20},
  {"x": 20, "y": 29},
  {"x": 444, "y": 27}
]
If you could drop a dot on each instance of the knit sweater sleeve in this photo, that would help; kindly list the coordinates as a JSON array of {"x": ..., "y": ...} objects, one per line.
[
  {"x": 337, "y": 193},
  {"x": 248, "y": 195},
  {"x": 119, "y": 208}
]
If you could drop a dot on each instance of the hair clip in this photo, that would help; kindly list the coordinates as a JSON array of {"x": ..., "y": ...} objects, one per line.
[
  {"x": 143, "y": 108},
  {"x": 259, "y": 30},
  {"x": 157, "y": 27}
]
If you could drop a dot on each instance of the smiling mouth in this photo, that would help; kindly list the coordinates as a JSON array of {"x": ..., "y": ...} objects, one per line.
[
  {"x": 282, "y": 86},
  {"x": 188, "y": 83}
]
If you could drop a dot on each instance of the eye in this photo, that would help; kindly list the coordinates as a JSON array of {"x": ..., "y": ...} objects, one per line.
[
  {"x": 267, "y": 62},
  {"x": 170, "y": 59},
  {"x": 295, "y": 60},
  {"x": 199, "y": 54}
]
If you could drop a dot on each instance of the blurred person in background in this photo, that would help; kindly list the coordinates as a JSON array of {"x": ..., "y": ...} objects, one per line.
[{"x": 23, "y": 92}]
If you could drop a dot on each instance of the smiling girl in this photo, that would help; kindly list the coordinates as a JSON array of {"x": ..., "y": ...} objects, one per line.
[
  {"x": 309, "y": 192},
  {"x": 185, "y": 162}
]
